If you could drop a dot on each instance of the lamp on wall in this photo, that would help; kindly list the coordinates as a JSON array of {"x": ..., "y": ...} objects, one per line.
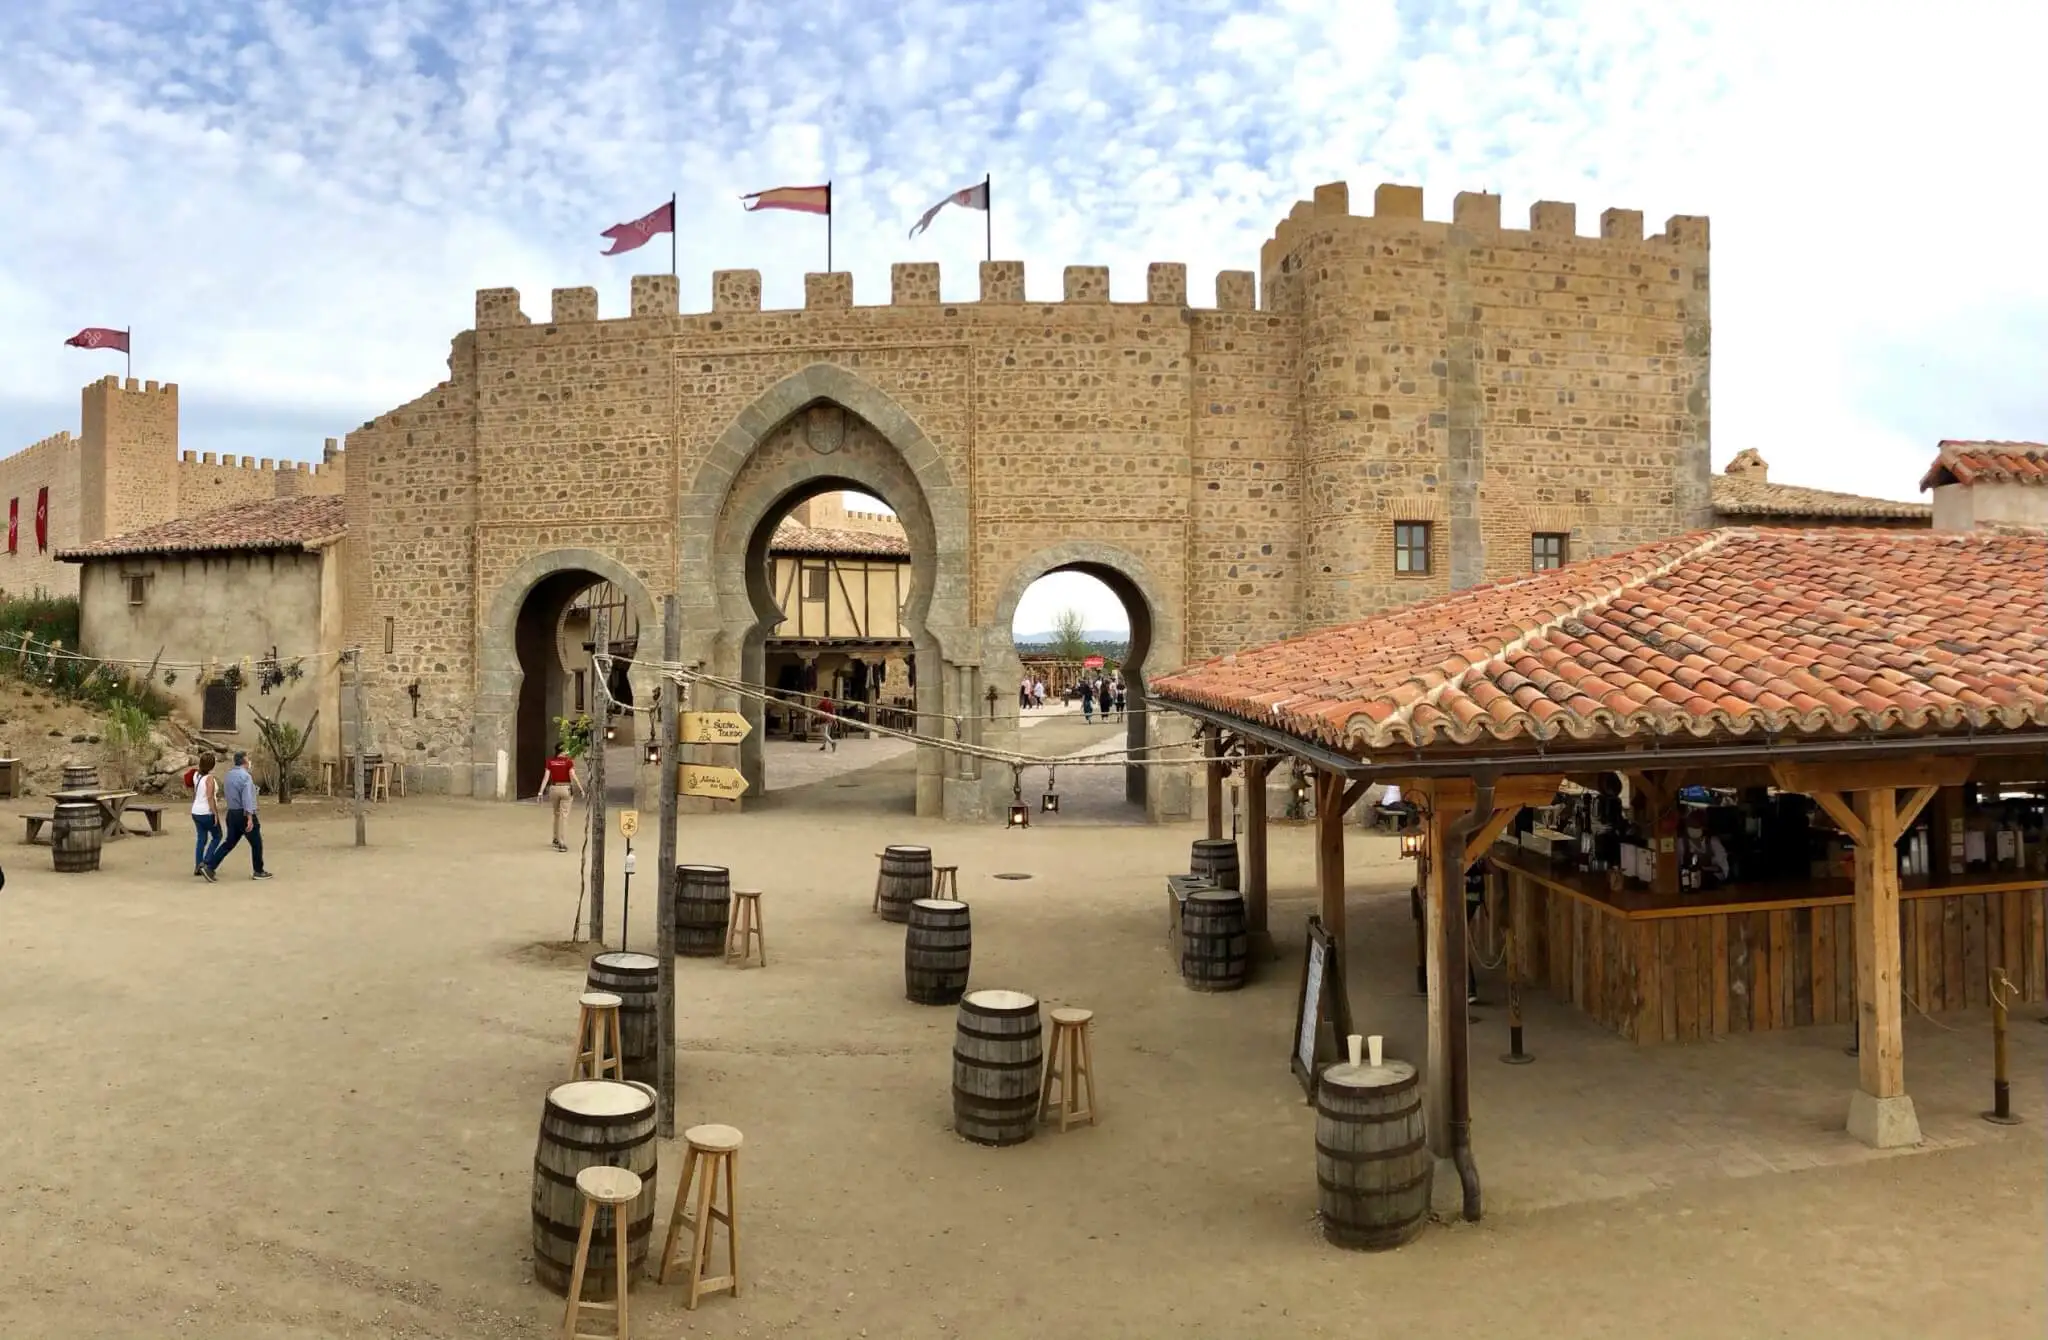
[
  {"x": 1411, "y": 843},
  {"x": 1049, "y": 803}
]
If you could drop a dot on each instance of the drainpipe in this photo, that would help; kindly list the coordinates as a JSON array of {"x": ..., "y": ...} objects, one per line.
[{"x": 1458, "y": 1046}]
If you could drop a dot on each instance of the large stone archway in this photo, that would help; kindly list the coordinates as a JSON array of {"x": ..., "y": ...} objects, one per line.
[
  {"x": 774, "y": 454},
  {"x": 1158, "y": 644},
  {"x": 499, "y": 674}
]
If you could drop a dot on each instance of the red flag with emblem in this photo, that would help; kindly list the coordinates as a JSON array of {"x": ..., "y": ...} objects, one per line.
[
  {"x": 13, "y": 521},
  {"x": 99, "y": 337},
  {"x": 43, "y": 520}
]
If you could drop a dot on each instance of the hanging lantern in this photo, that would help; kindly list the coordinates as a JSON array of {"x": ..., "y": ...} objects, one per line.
[
  {"x": 1411, "y": 843},
  {"x": 1020, "y": 813},
  {"x": 1049, "y": 803}
]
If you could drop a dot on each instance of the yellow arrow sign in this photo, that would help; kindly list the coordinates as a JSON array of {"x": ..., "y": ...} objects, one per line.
[
  {"x": 717, "y": 783},
  {"x": 715, "y": 728}
]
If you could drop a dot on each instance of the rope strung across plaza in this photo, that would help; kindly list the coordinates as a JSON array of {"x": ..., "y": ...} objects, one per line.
[{"x": 33, "y": 648}]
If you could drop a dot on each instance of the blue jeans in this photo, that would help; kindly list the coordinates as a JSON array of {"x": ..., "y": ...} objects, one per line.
[
  {"x": 238, "y": 828},
  {"x": 209, "y": 837}
]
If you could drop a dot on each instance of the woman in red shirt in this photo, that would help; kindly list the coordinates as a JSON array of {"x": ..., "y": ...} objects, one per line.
[{"x": 559, "y": 783}]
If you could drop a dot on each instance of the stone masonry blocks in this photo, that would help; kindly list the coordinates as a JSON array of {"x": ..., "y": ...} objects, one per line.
[
  {"x": 1686, "y": 230},
  {"x": 1396, "y": 202},
  {"x": 1087, "y": 283},
  {"x": 1333, "y": 198},
  {"x": 498, "y": 307},
  {"x": 572, "y": 305},
  {"x": 655, "y": 295},
  {"x": 1476, "y": 210},
  {"x": 828, "y": 290},
  {"x": 1236, "y": 291},
  {"x": 1621, "y": 225},
  {"x": 1166, "y": 284},
  {"x": 1002, "y": 281},
  {"x": 914, "y": 283},
  {"x": 1551, "y": 216},
  {"x": 736, "y": 291}
]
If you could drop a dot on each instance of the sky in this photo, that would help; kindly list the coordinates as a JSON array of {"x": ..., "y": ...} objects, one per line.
[{"x": 293, "y": 203}]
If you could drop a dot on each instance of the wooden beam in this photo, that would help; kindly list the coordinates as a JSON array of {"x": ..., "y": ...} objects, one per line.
[
  {"x": 1353, "y": 792},
  {"x": 1848, "y": 819},
  {"x": 1910, "y": 810},
  {"x": 1457, "y": 795},
  {"x": 1212, "y": 749},
  {"x": 1880, "y": 1062},
  {"x": 1330, "y": 851},
  {"x": 1489, "y": 832},
  {"x": 1927, "y": 770},
  {"x": 1659, "y": 791},
  {"x": 1446, "y": 999},
  {"x": 1255, "y": 772}
]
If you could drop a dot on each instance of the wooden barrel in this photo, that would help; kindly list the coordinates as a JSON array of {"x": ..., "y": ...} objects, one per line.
[
  {"x": 997, "y": 1056},
  {"x": 590, "y": 1123},
  {"x": 703, "y": 901},
  {"x": 1214, "y": 861},
  {"x": 936, "y": 950},
  {"x": 1373, "y": 1165},
  {"x": 80, "y": 777},
  {"x": 906, "y": 877},
  {"x": 75, "y": 836},
  {"x": 634, "y": 979},
  {"x": 1215, "y": 951}
]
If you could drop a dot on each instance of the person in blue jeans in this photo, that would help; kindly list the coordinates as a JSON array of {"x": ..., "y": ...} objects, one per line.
[
  {"x": 238, "y": 793},
  {"x": 205, "y": 812}
]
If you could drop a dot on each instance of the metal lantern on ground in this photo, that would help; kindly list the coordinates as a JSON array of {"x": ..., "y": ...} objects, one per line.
[
  {"x": 1020, "y": 813},
  {"x": 1049, "y": 803}
]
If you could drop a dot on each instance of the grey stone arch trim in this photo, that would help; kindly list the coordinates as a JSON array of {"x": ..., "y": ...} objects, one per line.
[
  {"x": 721, "y": 515},
  {"x": 1164, "y": 792},
  {"x": 498, "y": 672}
]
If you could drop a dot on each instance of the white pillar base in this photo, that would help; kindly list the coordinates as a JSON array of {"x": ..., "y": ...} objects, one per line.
[{"x": 1883, "y": 1123}]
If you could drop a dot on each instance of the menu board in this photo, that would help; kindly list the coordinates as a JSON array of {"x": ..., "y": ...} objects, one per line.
[{"x": 1323, "y": 1001}]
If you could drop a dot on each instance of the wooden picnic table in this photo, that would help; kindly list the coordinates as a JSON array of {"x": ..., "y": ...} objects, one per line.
[{"x": 113, "y": 804}]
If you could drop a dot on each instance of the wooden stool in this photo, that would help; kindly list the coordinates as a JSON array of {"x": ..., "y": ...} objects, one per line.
[
  {"x": 744, "y": 936},
  {"x": 598, "y": 1048},
  {"x": 1071, "y": 1064},
  {"x": 615, "y": 1188},
  {"x": 380, "y": 782},
  {"x": 877, "y": 906},
  {"x": 711, "y": 1148},
  {"x": 946, "y": 882}
]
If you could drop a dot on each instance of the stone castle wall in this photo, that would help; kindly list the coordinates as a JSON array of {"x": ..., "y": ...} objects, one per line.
[
  {"x": 52, "y": 464},
  {"x": 1237, "y": 471}
]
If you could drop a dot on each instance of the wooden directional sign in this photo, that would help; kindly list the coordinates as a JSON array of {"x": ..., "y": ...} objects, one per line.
[
  {"x": 715, "y": 728},
  {"x": 717, "y": 783},
  {"x": 629, "y": 823}
]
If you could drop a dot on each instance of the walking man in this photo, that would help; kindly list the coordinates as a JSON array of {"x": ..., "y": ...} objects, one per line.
[{"x": 238, "y": 793}]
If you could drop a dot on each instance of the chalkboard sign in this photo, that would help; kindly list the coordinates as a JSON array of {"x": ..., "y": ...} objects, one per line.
[{"x": 1323, "y": 1001}]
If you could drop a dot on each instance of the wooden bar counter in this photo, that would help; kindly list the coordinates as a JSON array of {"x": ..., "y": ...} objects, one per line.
[{"x": 1745, "y": 958}]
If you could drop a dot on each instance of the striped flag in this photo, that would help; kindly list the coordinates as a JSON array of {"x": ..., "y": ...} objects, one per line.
[
  {"x": 973, "y": 197},
  {"x": 802, "y": 199}
]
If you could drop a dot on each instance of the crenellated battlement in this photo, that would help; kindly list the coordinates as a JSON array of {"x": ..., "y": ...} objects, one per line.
[
  {"x": 54, "y": 445},
  {"x": 265, "y": 464},
  {"x": 134, "y": 386}
]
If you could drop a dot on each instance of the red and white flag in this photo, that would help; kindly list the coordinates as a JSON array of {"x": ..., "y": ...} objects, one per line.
[
  {"x": 631, "y": 236},
  {"x": 973, "y": 197},
  {"x": 802, "y": 199},
  {"x": 99, "y": 337},
  {"x": 43, "y": 519}
]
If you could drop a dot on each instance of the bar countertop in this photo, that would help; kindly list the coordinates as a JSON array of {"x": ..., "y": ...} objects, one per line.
[{"x": 1639, "y": 904}]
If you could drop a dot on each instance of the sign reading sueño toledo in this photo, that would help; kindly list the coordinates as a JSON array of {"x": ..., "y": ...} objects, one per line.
[
  {"x": 715, "y": 783},
  {"x": 714, "y": 728}
]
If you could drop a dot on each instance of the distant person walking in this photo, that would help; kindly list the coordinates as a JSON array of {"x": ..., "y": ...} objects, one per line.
[
  {"x": 1088, "y": 702},
  {"x": 1120, "y": 698},
  {"x": 826, "y": 711},
  {"x": 238, "y": 792},
  {"x": 205, "y": 812},
  {"x": 560, "y": 783}
]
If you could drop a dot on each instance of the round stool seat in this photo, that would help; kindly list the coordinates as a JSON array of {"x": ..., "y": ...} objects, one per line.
[
  {"x": 609, "y": 1186},
  {"x": 1071, "y": 1016},
  {"x": 713, "y": 1139},
  {"x": 599, "y": 1000},
  {"x": 746, "y": 893}
]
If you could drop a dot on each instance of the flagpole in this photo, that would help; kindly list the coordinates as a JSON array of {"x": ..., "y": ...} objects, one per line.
[
  {"x": 988, "y": 221},
  {"x": 127, "y": 353},
  {"x": 828, "y": 236},
  {"x": 671, "y": 235}
]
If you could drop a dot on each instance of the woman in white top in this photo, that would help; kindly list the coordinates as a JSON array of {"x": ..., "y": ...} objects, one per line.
[{"x": 205, "y": 812}]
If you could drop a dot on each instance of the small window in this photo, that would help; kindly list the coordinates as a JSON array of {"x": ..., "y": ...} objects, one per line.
[
  {"x": 220, "y": 711},
  {"x": 1411, "y": 547},
  {"x": 579, "y": 693},
  {"x": 138, "y": 588},
  {"x": 1547, "y": 550},
  {"x": 390, "y": 633},
  {"x": 815, "y": 585}
]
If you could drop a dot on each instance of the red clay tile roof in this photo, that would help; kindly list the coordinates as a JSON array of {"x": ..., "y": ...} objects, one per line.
[
  {"x": 1750, "y": 495},
  {"x": 1988, "y": 463},
  {"x": 1812, "y": 633},
  {"x": 277, "y": 523},
  {"x": 794, "y": 537}
]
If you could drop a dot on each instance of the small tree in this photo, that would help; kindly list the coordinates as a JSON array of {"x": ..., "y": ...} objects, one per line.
[
  {"x": 126, "y": 733},
  {"x": 1069, "y": 635},
  {"x": 283, "y": 742},
  {"x": 574, "y": 733}
]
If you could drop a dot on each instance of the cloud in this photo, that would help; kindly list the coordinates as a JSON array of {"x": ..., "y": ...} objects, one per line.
[{"x": 293, "y": 203}]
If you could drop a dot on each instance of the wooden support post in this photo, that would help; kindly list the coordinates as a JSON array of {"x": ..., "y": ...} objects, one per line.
[
  {"x": 1660, "y": 804},
  {"x": 665, "y": 878},
  {"x": 1254, "y": 874},
  {"x": 1212, "y": 749},
  {"x": 1446, "y": 999},
  {"x": 601, "y": 703},
  {"x": 1330, "y": 852},
  {"x": 1880, "y": 1113},
  {"x": 355, "y": 662}
]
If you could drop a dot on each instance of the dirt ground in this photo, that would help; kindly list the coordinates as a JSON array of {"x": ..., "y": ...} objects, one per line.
[{"x": 307, "y": 1108}]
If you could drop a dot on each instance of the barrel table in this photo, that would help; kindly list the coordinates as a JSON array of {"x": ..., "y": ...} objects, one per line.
[
  {"x": 1214, "y": 861},
  {"x": 75, "y": 836},
  {"x": 937, "y": 948},
  {"x": 998, "y": 1053},
  {"x": 634, "y": 979},
  {"x": 906, "y": 877},
  {"x": 1373, "y": 1165},
  {"x": 703, "y": 902},
  {"x": 591, "y": 1123},
  {"x": 1215, "y": 950}
]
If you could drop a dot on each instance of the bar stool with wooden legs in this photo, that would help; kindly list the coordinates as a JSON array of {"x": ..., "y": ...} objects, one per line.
[
  {"x": 1070, "y": 1064},
  {"x": 743, "y": 937},
  {"x": 598, "y": 1048},
  {"x": 710, "y": 1148},
  {"x": 614, "y": 1189},
  {"x": 946, "y": 882}
]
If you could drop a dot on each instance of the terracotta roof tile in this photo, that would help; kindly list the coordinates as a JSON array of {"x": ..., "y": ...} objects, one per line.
[
  {"x": 1749, "y": 495},
  {"x": 794, "y": 537},
  {"x": 1730, "y": 632},
  {"x": 1988, "y": 463},
  {"x": 276, "y": 523}
]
